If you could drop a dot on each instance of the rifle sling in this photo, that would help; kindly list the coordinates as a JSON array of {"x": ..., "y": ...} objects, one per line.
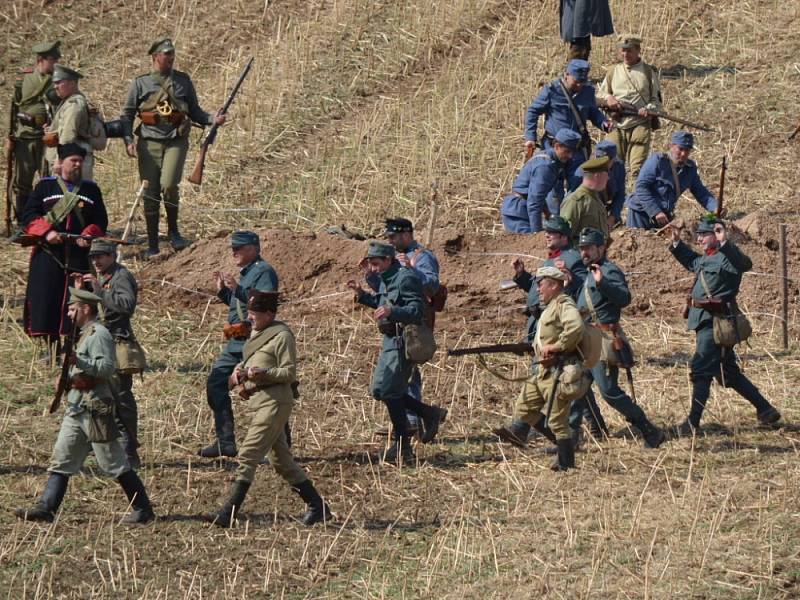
[
  {"x": 68, "y": 202},
  {"x": 577, "y": 115}
]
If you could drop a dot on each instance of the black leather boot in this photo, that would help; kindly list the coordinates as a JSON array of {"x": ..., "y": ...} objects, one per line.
[
  {"x": 653, "y": 436},
  {"x": 318, "y": 510},
  {"x": 566, "y": 456},
  {"x": 226, "y": 516},
  {"x": 225, "y": 444},
  {"x": 137, "y": 497},
  {"x": 47, "y": 506},
  {"x": 151, "y": 220},
  {"x": 432, "y": 416},
  {"x": 401, "y": 450},
  {"x": 176, "y": 240}
]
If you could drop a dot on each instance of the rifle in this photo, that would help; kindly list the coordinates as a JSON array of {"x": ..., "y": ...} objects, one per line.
[
  {"x": 197, "y": 173},
  {"x": 10, "y": 167},
  {"x": 434, "y": 210},
  {"x": 721, "y": 194},
  {"x": 629, "y": 109},
  {"x": 63, "y": 380},
  {"x": 794, "y": 133},
  {"x": 28, "y": 239},
  {"x": 518, "y": 349}
]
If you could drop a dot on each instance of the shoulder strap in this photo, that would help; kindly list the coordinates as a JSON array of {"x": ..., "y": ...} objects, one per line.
[
  {"x": 37, "y": 91},
  {"x": 264, "y": 337},
  {"x": 678, "y": 190},
  {"x": 703, "y": 282},
  {"x": 575, "y": 112},
  {"x": 587, "y": 296},
  {"x": 63, "y": 207}
]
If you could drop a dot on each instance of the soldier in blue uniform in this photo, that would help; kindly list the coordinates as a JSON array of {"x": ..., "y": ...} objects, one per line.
[
  {"x": 399, "y": 301},
  {"x": 719, "y": 271},
  {"x": 603, "y": 296},
  {"x": 562, "y": 255},
  {"x": 582, "y": 19},
  {"x": 568, "y": 102},
  {"x": 412, "y": 255},
  {"x": 662, "y": 180},
  {"x": 255, "y": 274},
  {"x": 539, "y": 187}
]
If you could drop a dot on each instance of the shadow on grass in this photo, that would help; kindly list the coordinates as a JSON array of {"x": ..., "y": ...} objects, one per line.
[
  {"x": 22, "y": 469},
  {"x": 679, "y": 71},
  {"x": 733, "y": 445}
]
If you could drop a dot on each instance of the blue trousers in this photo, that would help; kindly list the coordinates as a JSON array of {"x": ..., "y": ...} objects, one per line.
[
  {"x": 217, "y": 390},
  {"x": 711, "y": 361}
]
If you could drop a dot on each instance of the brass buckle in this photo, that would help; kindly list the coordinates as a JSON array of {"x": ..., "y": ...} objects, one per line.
[{"x": 164, "y": 108}]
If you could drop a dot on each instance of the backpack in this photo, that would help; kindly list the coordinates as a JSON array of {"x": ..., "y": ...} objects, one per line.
[{"x": 98, "y": 139}]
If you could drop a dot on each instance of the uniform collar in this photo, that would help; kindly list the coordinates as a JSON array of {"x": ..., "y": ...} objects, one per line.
[
  {"x": 246, "y": 268},
  {"x": 390, "y": 272},
  {"x": 554, "y": 253},
  {"x": 711, "y": 251}
]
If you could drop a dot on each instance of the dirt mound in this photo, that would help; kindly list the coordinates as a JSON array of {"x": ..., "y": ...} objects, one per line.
[{"x": 316, "y": 266}]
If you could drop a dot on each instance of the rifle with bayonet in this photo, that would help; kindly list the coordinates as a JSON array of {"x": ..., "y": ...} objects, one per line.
[
  {"x": 62, "y": 385},
  {"x": 629, "y": 109},
  {"x": 29, "y": 239},
  {"x": 197, "y": 173}
]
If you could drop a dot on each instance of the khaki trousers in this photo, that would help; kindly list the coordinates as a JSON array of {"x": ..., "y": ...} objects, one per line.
[
  {"x": 532, "y": 403},
  {"x": 266, "y": 437},
  {"x": 633, "y": 147},
  {"x": 161, "y": 166}
]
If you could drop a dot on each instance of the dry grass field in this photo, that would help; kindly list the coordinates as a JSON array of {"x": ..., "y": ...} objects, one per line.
[{"x": 352, "y": 109}]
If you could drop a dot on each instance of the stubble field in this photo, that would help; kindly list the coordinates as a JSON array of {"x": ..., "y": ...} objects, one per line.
[{"x": 352, "y": 109}]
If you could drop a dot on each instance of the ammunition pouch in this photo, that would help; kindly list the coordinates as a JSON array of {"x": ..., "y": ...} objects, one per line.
[
  {"x": 237, "y": 331},
  {"x": 115, "y": 129},
  {"x": 715, "y": 306},
  {"x": 50, "y": 139},
  {"x": 102, "y": 425},
  {"x": 83, "y": 382},
  {"x": 386, "y": 327},
  {"x": 419, "y": 343},
  {"x": 152, "y": 117}
]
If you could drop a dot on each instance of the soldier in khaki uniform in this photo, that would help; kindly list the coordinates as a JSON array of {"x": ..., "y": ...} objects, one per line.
[
  {"x": 266, "y": 378},
  {"x": 633, "y": 82},
  {"x": 89, "y": 420},
  {"x": 584, "y": 207},
  {"x": 33, "y": 103},
  {"x": 166, "y": 103},
  {"x": 72, "y": 121},
  {"x": 560, "y": 375}
]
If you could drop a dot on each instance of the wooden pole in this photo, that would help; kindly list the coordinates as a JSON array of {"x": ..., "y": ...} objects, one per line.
[{"x": 784, "y": 288}]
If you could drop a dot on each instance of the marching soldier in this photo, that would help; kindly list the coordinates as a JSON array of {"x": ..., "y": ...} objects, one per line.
[
  {"x": 603, "y": 296},
  {"x": 118, "y": 292},
  {"x": 399, "y": 301},
  {"x": 265, "y": 378},
  {"x": 88, "y": 422},
  {"x": 412, "y": 255},
  {"x": 72, "y": 122},
  {"x": 635, "y": 83},
  {"x": 562, "y": 255},
  {"x": 33, "y": 103},
  {"x": 662, "y": 180},
  {"x": 718, "y": 271},
  {"x": 585, "y": 207},
  {"x": 567, "y": 102},
  {"x": 166, "y": 103},
  {"x": 560, "y": 377},
  {"x": 254, "y": 274},
  {"x": 59, "y": 206},
  {"x": 539, "y": 187}
]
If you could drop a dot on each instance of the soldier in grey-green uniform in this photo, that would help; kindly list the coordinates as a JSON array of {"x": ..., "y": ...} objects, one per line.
[
  {"x": 584, "y": 207},
  {"x": 33, "y": 103},
  {"x": 118, "y": 292},
  {"x": 265, "y": 379},
  {"x": 89, "y": 419},
  {"x": 718, "y": 271},
  {"x": 166, "y": 103}
]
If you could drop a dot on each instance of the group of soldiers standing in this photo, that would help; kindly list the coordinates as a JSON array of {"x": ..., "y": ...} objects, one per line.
[{"x": 571, "y": 191}]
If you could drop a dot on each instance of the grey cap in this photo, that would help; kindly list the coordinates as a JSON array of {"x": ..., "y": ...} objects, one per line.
[
  {"x": 244, "y": 237},
  {"x": 591, "y": 237},
  {"x": 378, "y": 249},
  {"x": 100, "y": 246},
  {"x": 558, "y": 225},
  {"x": 164, "y": 45},
  {"x": 63, "y": 72}
]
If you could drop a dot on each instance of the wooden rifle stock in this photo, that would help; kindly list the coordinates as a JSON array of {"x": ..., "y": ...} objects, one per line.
[
  {"x": 142, "y": 189},
  {"x": 200, "y": 164},
  {"x": 63, "y": 380}
]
